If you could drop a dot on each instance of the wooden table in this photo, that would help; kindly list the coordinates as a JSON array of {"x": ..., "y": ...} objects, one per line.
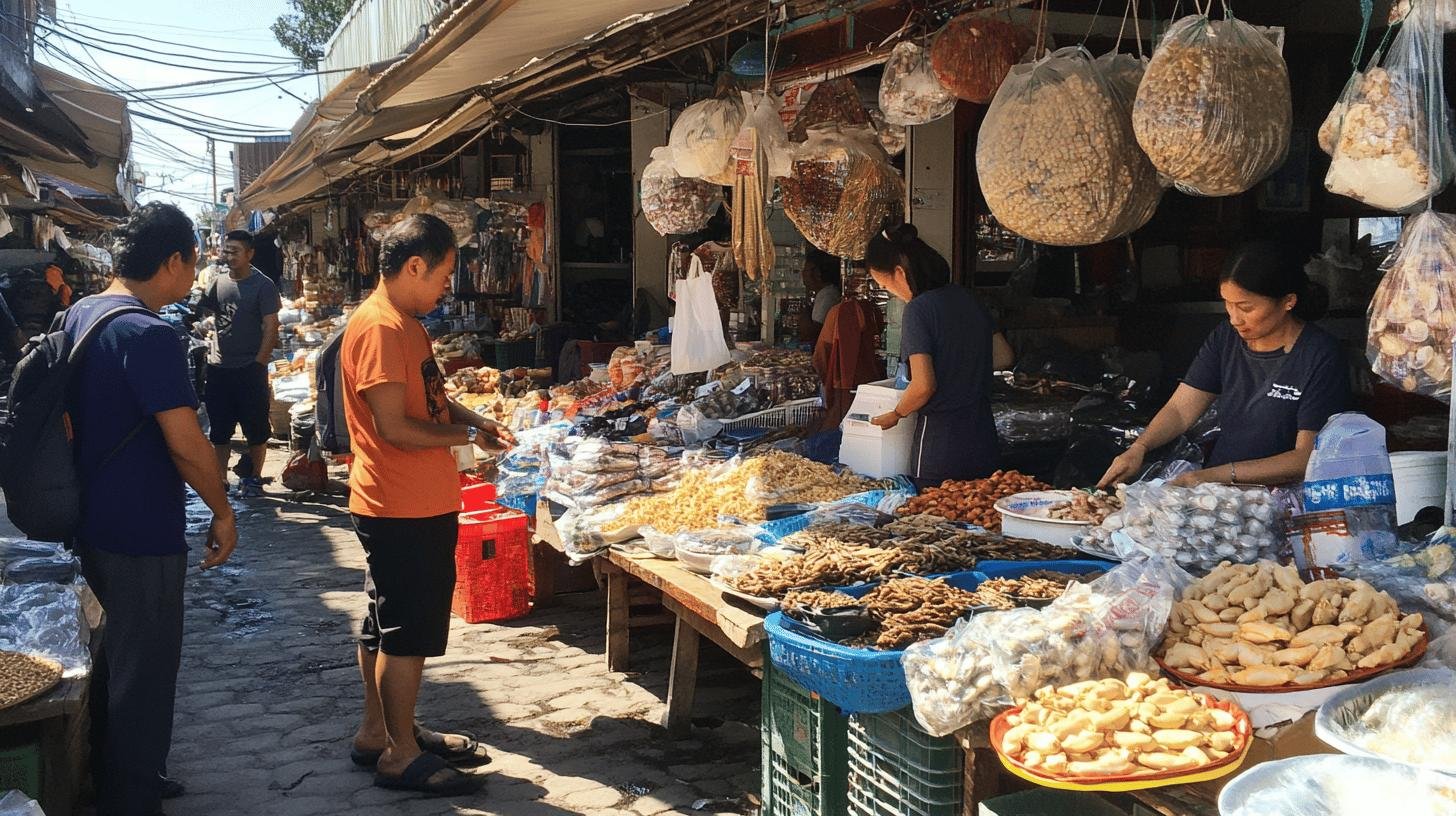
[{"x": 697, "y": 611}]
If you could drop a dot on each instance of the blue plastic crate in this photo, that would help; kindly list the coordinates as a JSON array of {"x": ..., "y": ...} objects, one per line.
[{"x": 869, "y": 681}]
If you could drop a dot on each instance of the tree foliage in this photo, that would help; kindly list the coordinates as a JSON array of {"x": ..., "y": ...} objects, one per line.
[{"x": 305, "y": 29}]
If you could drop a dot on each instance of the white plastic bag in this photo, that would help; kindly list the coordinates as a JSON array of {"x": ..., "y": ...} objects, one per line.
[
  {"x": 674, "y": 204},
  {"x": 702, "y": 136},
  {"x": 1414, "y": 309},
  {"x": 910, "y": 93},
  {"x": 1388, "y": 135},
  {"x": 697, "y": 328}
]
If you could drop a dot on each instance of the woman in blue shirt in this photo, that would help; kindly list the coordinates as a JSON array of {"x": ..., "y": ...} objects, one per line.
[
  {"x": 1275, "y": 376},
  {"x": 951, "y": 345}
]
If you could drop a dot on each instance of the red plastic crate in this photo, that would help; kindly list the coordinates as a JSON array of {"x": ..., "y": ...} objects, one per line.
[
  {"x": 493, "y": 578},
  {"x": 477, "y": 496}
]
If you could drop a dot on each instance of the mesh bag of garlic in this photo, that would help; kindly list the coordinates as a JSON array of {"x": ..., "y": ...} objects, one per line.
[
  {"x": 1388, "y": 136},
  {"x": 972, "y": 54},
  {"x": 841, "y": 189},
  {"x": 910, "y": 93},
  {"x": 1413, "y": 311},
  {"x": 675, "y": 204},
  {"x": 1056, "y": 157},
  {"x": 1213, "y": 112}
]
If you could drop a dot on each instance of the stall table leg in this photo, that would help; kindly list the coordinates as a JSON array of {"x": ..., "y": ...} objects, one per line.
[
  {"x": 682, "y": 680},
  {"x": 618, "y": 612}
]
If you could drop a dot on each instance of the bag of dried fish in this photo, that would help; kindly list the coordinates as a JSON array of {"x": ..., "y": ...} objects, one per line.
[
  {"x": 1414, "y": 309},
  {"x": 972, "y": 54},
  {"x": 1198, "y": 526},
  {"x": 841, "y": 190},
  {"x": 910, "y": 93},
  {"x": 674, "y": 204}
]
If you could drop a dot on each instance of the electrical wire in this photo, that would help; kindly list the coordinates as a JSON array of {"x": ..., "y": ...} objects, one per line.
[
  {"x": 262, "y": 58},
  {"x": 588, "y": 124},
  {"x": 174, "y": 64},
  {"x": 150, "y": 25}
]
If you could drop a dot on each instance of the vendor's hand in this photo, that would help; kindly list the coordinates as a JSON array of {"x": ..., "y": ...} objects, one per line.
[
  {"x": 1123, "y": 468},
  {"x": 222, "y": 538},
  {"x": 886, "y": 421},
  {"x": 493, "y": 436},
  {"x": 1189, "y": 479}
]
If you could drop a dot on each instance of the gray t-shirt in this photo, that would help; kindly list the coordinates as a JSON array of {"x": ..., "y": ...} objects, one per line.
[{"x": 240, "y": 307}]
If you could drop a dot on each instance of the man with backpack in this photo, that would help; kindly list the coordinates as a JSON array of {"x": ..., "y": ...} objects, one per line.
[
  {"x": 245, "y": 304},
  {"x": 136, "y": 441}
]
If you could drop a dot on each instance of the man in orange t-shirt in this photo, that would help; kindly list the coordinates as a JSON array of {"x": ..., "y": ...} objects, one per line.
[{"x": 405, "y": 499}]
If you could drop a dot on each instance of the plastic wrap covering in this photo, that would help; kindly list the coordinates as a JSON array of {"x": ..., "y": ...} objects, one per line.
[
  {"x": 1056, "y": 157},
  {"x": 597, "y": 472},
  {"x": 1107, "y": 628},
  {"x": 1421, "y": 581},
  {"x": 1019, "y": 422},
  {"x": 841, "y": 190},
  {"x": 1198, "y": 527},
  {"x": 892, "y": 137},
  {"x": 1388, "y": 135},
  {"x": 1333, "y": 785},
  {"x": 1412, "y": 314},
  {"x": 973, "y": 53},
  {"x": 46, "y": 620},
  {"x": 763, "y": 118},
  {"x": 36, "y": 562},
  {"x": 1213, "y": 112},
  {"x": 702, "y": 136},
  {"x": 1408, "y": 717},
  {"x": 910, "y": 93},
  {"x": 675, "y": 204},
  {"x": 15, "y": 803},
  {"x": 833, "y": 104}
]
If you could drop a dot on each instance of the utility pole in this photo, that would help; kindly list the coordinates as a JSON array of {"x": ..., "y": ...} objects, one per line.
[{"x": 212, "y": 158}]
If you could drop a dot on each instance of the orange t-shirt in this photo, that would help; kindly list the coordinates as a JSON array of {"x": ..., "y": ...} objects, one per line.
[{"x": 384, "y": 345}]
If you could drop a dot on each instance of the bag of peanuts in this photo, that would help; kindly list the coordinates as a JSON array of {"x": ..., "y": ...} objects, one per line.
[
  {"x": 910, "y": 93},
  {"x": 1413, "y": 313},
  {"x": 703, "y": 135},
  {"x": 1388, "y": 135},
  {"x": 841, "y": 189},
  {"x": 1213, "y": 112},
  {"x": 674, "y": 204},
  {"x": 1057, "y": 159},
  {"x": 972, "y": 54}
]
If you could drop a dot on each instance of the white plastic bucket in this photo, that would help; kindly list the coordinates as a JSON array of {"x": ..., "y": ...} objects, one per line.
[{"x": 1420, "y": 481}]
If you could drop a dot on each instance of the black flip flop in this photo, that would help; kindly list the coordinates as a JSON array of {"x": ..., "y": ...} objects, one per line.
[
  {"x": 472, "y": 755},
  {"x": 417, "y": 776}
]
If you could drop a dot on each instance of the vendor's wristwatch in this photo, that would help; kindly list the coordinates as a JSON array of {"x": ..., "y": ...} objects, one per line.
[{"x": 470, "y": 433}]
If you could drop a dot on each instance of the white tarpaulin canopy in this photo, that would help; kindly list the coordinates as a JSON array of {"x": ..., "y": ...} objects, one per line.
[
  {"x": 102, "y": 116},
  {"x": 487, "y": 39}
]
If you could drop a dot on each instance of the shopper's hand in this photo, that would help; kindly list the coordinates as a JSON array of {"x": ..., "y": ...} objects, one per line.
[
  {"x": 886, "y": 421},
  {"x": 222, "y": 538},
  {"x": 493, "y": 436},
  {"x": 1123, "y": 468}
]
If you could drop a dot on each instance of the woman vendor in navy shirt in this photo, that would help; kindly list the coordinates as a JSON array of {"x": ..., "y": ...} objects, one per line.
[{"x": 1275, "y": 376}]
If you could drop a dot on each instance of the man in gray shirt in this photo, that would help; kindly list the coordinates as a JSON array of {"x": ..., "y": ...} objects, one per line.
[{"x": 245, "y": 306}]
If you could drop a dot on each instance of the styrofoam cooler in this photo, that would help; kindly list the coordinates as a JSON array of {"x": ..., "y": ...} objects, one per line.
[
  {"x": 867, "y": 449},
  {"x": 1420, "y": 481}
]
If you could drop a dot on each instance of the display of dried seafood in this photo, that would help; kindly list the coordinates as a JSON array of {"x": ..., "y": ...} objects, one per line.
[
  {"x": 1092, "y": 507},
  {"x": 972, "y": 500}
]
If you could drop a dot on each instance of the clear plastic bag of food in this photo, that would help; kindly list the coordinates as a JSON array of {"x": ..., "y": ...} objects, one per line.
[
  {"x": 773, "y": 139},
  {"x": 841, "y": 190},
  {"x": 834, "y": 103},
  {"x": 1336, "y": 785},
  {"x": 1407, "y": 716},
  {"x": 1213, "y": 112},
  {"x": 973, "y": 53},
  {"x": 1414, "y": 309},
  {"x": 703, "y": 135},
  {"x": 950, "y": 679},
  {"x": 674, "y": 204},
  {"x": 46, "y": 620},
  {"x": 1199, "y": 527},
  {"x": 1124, "y": 73},
  {"x": 893, "y": 138},
  {"x": 1423, "y": 580},
  {"x": 1057, "y": 159},
  {"x": 62, "y": 568},
  {"x": 1388, "y": 135},
  {"x": 910, "y": 93},
  {"x": 15, "y": 803},
  {"x": 662, "y": 545}
]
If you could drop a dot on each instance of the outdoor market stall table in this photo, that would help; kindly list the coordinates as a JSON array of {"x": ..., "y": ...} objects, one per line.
[{"x": 698, "y": 610}]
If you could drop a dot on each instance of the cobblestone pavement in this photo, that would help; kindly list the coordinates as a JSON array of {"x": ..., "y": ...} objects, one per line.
[{"x": 269, "y": 694}]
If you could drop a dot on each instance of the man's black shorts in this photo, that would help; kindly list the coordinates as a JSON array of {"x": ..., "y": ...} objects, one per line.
[
  {"x": 409, "y": 581},
  {"x": 238, "y": 396}
]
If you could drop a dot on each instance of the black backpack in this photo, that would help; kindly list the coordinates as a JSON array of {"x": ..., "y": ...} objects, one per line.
[
  {"x": 37, "y": 465},
  {"x": 330, "y": 427}
]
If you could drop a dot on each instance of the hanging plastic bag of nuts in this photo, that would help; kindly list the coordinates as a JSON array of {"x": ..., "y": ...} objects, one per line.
[
  {"x": 973, "y": 53},
  {"x": 1388, "y": 136},
  {"x": 1124, "y": 73},
  {"x": 702, "y": 136},
  {"x": 910, "y": 93},
  {"x": 1213, "y": 112},
  {"x": 841, "y": 190},
  {"x": 1057, "y": 159},
  {"x": 1413, "y": 311},
  {"x": 674, "y": 204}
]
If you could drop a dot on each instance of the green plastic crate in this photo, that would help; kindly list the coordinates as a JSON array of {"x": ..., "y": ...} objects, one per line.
[
  {"x": 508, "y": 354},
  {"x": 20, "y": 769},
  {"x": 896, "y": 769},
  {"x": 805, "y": 767}
]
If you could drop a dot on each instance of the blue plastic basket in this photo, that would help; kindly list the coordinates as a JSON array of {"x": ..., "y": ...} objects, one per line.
[
  {"x": 781, "y": 528},
  {"x": 858, "y": 681},
  {"x": 1016, "y": 569}
]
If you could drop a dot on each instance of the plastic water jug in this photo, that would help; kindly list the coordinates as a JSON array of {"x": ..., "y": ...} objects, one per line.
[{"x": 1349, "y": 497}]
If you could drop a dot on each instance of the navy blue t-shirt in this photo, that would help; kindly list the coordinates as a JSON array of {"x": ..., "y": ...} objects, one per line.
[
  {"x": 954, "y": 328},
  {"x": 136, "y": 368},
  {"x": 1265, "y": 398}
]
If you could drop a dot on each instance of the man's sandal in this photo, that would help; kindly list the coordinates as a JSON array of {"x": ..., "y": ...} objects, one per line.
[
  {"x": 470, "y": 755},
  {"x": 431, "y": 775}
]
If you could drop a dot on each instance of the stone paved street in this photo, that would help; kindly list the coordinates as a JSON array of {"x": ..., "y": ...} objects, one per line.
[{"x": 269, "y": 695}]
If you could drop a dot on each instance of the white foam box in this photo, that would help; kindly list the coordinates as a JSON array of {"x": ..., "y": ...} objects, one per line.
[{"x": 867, "y": 449}]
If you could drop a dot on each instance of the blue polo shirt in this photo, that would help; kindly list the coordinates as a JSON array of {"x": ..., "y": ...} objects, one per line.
[{"x": 136, "y": 368}]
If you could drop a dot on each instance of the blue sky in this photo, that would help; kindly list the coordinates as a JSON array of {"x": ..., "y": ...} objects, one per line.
[{"x": 194, "y": 32}]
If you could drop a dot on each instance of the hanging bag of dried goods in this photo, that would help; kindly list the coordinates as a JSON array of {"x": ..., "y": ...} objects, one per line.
[
  {"x": 675, "y": 204},
  {"x": 1413, "y": 313},
  {"x": 910, "y": 93},
  {"x": 1388, "y": 136},
  {"x": 972, "y": 54},
  {"x": 1056, "y": 157},
  {"x": 1213, "y": 112},
  {"x": 762, "y": 132},
  {"x": 702, "y": 135},
  {"x": 841, "y": 190},
  {"x": 697, "y": 328},
  {"x": 834, "y": 103}
]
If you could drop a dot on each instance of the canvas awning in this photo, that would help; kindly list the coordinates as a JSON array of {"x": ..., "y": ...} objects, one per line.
[{"x": 102, "y": 118}]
